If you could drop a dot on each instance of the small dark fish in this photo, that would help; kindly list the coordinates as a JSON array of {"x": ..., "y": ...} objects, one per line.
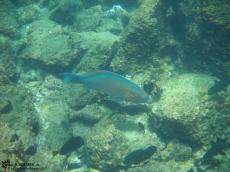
[
  {"x": 219, "y": 86},
  {"x": 114, "y": 85},
  {"x": 139, "y": 155},
  {"x": 71, "y": 145},
  {"x": 215, "y": 149}
]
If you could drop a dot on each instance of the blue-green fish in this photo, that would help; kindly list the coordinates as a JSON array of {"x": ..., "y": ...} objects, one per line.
[{"x": 118, "y": 87}]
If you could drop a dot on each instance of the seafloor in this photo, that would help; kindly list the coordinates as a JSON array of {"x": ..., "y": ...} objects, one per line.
[{"x": 177, "y": 50}]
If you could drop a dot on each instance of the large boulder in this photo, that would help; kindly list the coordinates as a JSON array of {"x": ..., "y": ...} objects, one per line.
[
  {"x": 19, "y": 114},
  {"x": 50, "y": 46},
  {"x": 52, "y": 113},
  {"x": 98, "y": 49},
  {"x": 141, "y": 39},
  {"x": 8, "y": 69},
  {"x": 8, "y": 20},
  {"x": 95, "y": 19},
  {"x": 184, "y": 110}
]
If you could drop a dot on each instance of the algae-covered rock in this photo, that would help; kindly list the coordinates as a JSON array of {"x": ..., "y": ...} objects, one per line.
[
  {"x": 107, "y": 146},
  {"x": 176, "y": 151},
  {"x": 52, "y": 114},
  {"x": 55, "y": 131},
  {"x": 89, "y": 19},
  {"x": 8, "y": 21},
  {"x": 8, "y": 68},
  {"x": 46, "y": 161},
  {"x": 65, "y": 12},
  {"x": 78, "y": 96},
  {"x": 120, "y": 141},
  {"x": 28, "y": 14},
  {"x": 141, "y": 38},
  {"x": 22, "y": 117},
  {"x": 98, "y": 49},
  {"x": 8, "y": 144},
  {"x": 90, "y": 114},
  {"x": 19, "y": 3},
  {"x": 94, "y": 19},
  {"x": 169, "y": 166},
  {"x": 50, "y": 46},
  {"x": 183, "y": 111},
  {"x": 193, "y": 25}
]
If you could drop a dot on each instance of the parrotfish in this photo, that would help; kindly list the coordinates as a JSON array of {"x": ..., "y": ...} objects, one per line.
[{"x": 116, "y": 86}]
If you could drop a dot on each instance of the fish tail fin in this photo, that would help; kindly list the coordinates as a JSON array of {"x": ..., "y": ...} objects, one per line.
[{"x": 70, "y": 77}]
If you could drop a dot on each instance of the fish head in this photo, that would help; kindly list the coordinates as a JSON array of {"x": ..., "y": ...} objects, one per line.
[{"x": 136, "y": 97}]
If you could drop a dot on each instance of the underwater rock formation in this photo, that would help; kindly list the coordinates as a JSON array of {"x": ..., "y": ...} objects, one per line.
[
  {"x": 52, "y": 114},
  {"x": 107, "y": 148},
  {"x": 172, "y": 48},
  {"x": 193, "y": 24},
  {"x": 183, "y": 111},
  {"x": 8, "y": 20},
  {"x": 22, "y": 117},
  {"x": 50, "y": 46},
  {"x": 9, "y": 72},
  {"x": 97, "y": 48},
  {"x": 140, "y": 39},
  {"x": 65, "y": 12}
]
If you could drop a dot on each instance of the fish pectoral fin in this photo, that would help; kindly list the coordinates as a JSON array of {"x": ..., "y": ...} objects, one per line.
[{"x": 118, "y": 99}]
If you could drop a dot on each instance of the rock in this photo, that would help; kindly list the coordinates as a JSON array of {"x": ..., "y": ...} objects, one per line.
[
  {"x": 50, "y": 47},
  {"x": 22, "y": 116},
  {"x": 5, "y": 106},
  {"x": 89, "y": 19},
  {"x": 90, "y": 114},
  {"x": 97, "y": 47},
  {"x": 116, "y": 139},
  {"x": 28, "y": 14},
  {"x": 184, "y": 112},
  {"x": 8, "y": 145},
  {"x": 8, "y": 21},
  {"x": 141, "y": 38},
  {"x": 107, "y": 146},
  {"x": 193, "y": 24},
  {"x": 65, "y": 12},
  {"x": 47, "y": 161},
  {"x": 8, "y": 69},
  {"x": 176, "y": 151},
  {"x": 52, "y": 114},
  {"x": 94, "y": 19},
  {"x": 19, "y": 3},
  {"x": 79, "y": 97}
]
